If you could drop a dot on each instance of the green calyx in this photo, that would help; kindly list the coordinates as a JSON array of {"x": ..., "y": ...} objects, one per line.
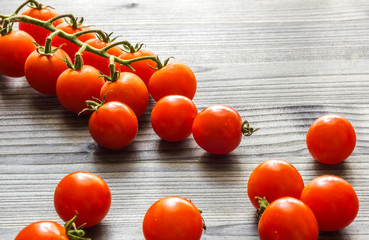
[
  {"x": 73, "y": 232},
  {"x": 94, "y": 105},
  {"x": 105, "y": 37},
  {"x": 263, "y": 204},
  {"x": 159, "y": 64},
  {"x": 247, "y": 130},
  {"x": 76, "y": 22},
  {"x": 129, "y": 48}
]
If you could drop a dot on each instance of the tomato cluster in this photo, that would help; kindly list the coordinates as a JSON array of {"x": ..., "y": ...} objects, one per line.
[{"x": 118, "y": 95}]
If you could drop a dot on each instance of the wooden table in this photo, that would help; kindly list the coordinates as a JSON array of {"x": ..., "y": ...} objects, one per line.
[{"x": 281, "y": 64}]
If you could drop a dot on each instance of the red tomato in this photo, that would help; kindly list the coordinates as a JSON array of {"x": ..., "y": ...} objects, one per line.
[
  {"x": 44, "y": 14},
  {"x": 45, "y": 230},
  {"x": 173, "y": 79},
  {"x": 85, "y": 193},
  {"x": 42, "y": 71},
  {"x": 128, "y": 89},
  {"x": 75, "y": 87},
  {"x": 15, "y": 47},
  {"x": 288, "y": 218},
  {"x": 172, "y": 218},
  {"x": 114, "y": 125},
  {"x": 218, "y": 129},
  {"x": 331, "y": 139},
  {"x": 274, "y": 179},
  {"x": 172, "y": 117},
  {"x": 97, "y": 61},
  {"x": 333, "y": 201},
  {"x": 69, "y": 47},
  {"x": 142, "y": 68}
]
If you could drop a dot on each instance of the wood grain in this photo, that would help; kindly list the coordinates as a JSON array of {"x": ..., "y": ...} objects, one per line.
[{"x": 281, "y": 64}]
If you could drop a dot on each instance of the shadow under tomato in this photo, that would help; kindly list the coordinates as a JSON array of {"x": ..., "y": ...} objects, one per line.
[{"x": 98, "y": 232}]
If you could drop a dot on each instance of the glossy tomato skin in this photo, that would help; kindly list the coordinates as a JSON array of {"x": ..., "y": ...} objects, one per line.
[
  {"x": 273, "y": 179},
  {"x": 74, "y": 87},
  {"x": 331, "y": 139},
  {"x": 97, "y": 61},
  {"x": 70, "y": 48},
  {"x": 13, "y": 57},
  {"x": 38, "y": 33},
  {"x": 173, "y": 79},
  {"x": 288, "y": 218},
  {"x": 84, "y": 192},
  {"x": 172, "y": 218},
  {"x": 45, "y": 230},
  {"x": 128, "y": 89},
  {"x": 142, "y": 68},
  {"x": 217, "y": 129},
  {"x": 42, "y": 71},
  {"x": 172, "y": 117},
  {"x": 333, "y": 201},
  {"x": 114, "y": 125}
]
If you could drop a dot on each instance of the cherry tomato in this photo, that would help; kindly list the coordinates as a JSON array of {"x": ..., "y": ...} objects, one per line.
[
  {"x": 97, "y": 61},
  {"x": 15, "y": 47},
  {"x": 69, "y": 47},
  {"x": 142, "y": 68},
  {"x": 75, "y": 87},
  {"x": 173, "y": 79},
  {"x": 42, "y": 71},
  {"x": 333, "y": 201},
  {"x": 172, "y": 117},
  {"x": 37, "y": 32},
  {"x": 288, "y": 218},
  {"x": 114, "y": 125},
  {"x": 128, "y": 89},
  {"x": 85, "y": 193},
  {"x": 46, "y": 230},
  {"x": 172, "y": 218},
  {"x": 331, "y": 139},
  {"x": 218, "y": 129},
  {"x": 274, "y": 179}
]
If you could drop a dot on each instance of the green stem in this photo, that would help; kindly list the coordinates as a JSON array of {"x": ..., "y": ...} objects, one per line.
[
  {"x": 263, "y": 204},
  {"x": 73, "y": 39},
  {"x": 78, "y": 34},
  {"x": 70, "y": 16},
  {"x": 22, "y": 6},
  {"x": 78, "y": 62},
  {"x": 48, "y": 47}
]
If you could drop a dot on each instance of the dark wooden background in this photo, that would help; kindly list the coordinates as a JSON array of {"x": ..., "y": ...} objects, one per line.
[{"x": 281, "y": 64}]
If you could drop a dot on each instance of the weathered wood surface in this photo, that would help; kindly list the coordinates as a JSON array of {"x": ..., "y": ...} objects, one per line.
[{"x": 281, "y": 64}]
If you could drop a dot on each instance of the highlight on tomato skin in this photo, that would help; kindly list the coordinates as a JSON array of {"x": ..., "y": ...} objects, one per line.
[
  {"x": 333, "y": 201},
  {"x": 273, "y": 179},
  {"x": 171, "y": 218},
  {"x": 331, "y": 139},
  {"x": 288, "y": 218}
]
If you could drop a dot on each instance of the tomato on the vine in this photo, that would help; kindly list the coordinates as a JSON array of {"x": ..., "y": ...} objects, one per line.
[
  {"x": 43, "y": 70},
  {"x": 288, "y": 218},
  {"x": 128, "y": 89},
  {"x": 15, "y": 47},
  {"x": 331, "y": 139},
  {"x": 97, "y": 61},
  {"x": 112, "y": 125},
  {"x": 144, "y": 68},
  {"x": 273, "y": 179},
  {"x": 333, "y": 201},
  {"x": 173, "y": 218},
  {"x": 218, "y": 129},
  {"x": 70, "y": 48},
  {"x": 172, "y": 117},
  {"x": 42, "y": 13},
  {"x": 84, "y": 193},
  {"x": 75, "y": 87},
  {"x": 173, "y": 79}
]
